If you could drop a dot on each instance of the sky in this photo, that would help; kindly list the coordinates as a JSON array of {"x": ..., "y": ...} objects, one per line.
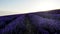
[{"x": 9, "y": 7}]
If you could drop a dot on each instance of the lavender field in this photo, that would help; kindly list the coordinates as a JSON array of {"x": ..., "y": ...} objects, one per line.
[{"x": 31, "y": 23}]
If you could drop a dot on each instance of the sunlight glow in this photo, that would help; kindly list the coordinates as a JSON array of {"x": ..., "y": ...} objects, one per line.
[{"x": 31, "y": 6}]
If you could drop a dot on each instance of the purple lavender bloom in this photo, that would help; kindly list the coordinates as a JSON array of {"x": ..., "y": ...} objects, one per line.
[{"x": 32, "y": 23}]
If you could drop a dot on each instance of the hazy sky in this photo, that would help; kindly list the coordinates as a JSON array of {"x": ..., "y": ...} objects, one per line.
[{"x": 25, "y": 6}]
